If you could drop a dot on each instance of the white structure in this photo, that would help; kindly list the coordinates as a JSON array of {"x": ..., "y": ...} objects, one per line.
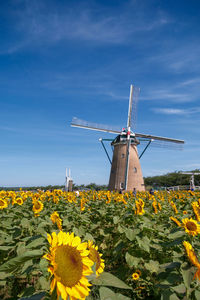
[
  {"x": 68, "y": 181},
  {"x": 192, "y": 185}
]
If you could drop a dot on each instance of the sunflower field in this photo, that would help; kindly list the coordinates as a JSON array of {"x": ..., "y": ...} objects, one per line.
[{"x": 99, "y": 245}]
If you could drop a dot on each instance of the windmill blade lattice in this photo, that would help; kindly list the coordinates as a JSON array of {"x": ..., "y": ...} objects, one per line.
[
  {"x": 136, "y": 92},
  {"x": 94, "y": 126}
]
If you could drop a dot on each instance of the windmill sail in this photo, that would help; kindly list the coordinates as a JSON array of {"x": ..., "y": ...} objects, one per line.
[
  {"x": 94, "y": 126},
  {"x": 159, "y": 138},
  {"x": 128, "y": 135}
]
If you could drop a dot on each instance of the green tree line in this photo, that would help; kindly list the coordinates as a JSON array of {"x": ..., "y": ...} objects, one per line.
[
  {"x": 171, "y": 179},
  {"x": 166, "y": 180}
]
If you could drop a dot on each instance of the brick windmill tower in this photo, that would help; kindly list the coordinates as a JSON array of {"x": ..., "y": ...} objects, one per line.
[{"x": 125, "y": 173}]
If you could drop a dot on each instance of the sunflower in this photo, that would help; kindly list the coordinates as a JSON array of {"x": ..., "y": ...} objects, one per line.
[
  {"x": 135, "y": 276},
  {"x": 159, "y": 206},
  {"x": 140, "y": 207},
  {"x": 173, "y": 205},
  {"x": 95, "y": 256},
  {"x": 192, "y": 257},
  {"x": 19, "y": 201},
  {"x": 191, "y": 226},
  {"x": 55, "y": 218},
  {"x": 175, "y": 220},
  {"x": 37, "y": 207},
  {"x": 69, "y": 266},
  {"x": 3, "y": 203},
  {"x": 154, "y": 204},
  {"x": 196, "y": 209}
]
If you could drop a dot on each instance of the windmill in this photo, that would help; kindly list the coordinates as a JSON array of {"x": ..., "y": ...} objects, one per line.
[
  {"x": 192, "y": 185},
  {"x": 126, "y": 173},
  {"x": 68, "y": 181}
]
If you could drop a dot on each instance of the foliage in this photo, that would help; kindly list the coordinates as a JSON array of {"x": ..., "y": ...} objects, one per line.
[
  {"x": 147, "y": 242},
  {"x": 171, "y": 179}
]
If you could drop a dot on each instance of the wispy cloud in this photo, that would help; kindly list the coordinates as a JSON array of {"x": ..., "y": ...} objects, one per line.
[
  {"x": 177, "y": 111},
  {"x": 179, "y": 56},
  {"x": 192, "y": 81},
  {"x": 37, "y": 23}
]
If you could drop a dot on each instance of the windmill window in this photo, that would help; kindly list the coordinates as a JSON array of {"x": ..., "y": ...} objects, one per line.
[
  {"x": 135, "y": 170},
  {"x": 121, "y": 185},
  {"x": 123, "y": 155}
]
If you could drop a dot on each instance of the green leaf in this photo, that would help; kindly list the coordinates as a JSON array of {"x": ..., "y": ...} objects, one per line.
[
  {"x": 3, "y": 275},
  {"x": 122, "y": 297},
  {"x": 168, "y": 295},
  {"x": 187, "y": 275},
  {"x": 12, "y": 264},
  {"x": 106, "y": 294},
  {"x": 88, "y": 236},
  {"x": 35, "y": 297},
  {"x": 143, "y": 243},
  {"x": 36, "y": 243},
  {"x": 115, "y": 220},
  {"x": 45, "y": 284},
  {"x": 152, "y": 266},
  {"x": 130, "y": 234},
  {"x": 25, "y": 222},
  {"x": 2, "y": 283},
  {"x": 120, "y": 229},
  {"x": 131, "y": 260},
  {"x": 180, "y": 289},
  {"x": 6, "y": 248},
  {"x": 65, "y": 221},
  {"x": 21, "y": 248},
  {"x": 197, "y": 294},
  {"x": 108, "y": 279},
  {"x": 172, "y": 265},
  {"x": 29, "y": 291},
  {"x": 176, "y": 235}
]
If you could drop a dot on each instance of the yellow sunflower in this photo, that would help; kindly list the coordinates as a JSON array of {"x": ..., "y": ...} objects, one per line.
[
  {"x": 175, "y": 220},
  {"x": 55, "y": 218},
  {"x": 37, "y": 207},
  {"x": 192, "y": 257},
  {"x": 19, "y": 201},
  {"x": 159, "y": 206},
  {"x": 196, "y": 209},
  {"x": 140, "y": 207},
  {"x": 3, "y": 203},
  {"x": 135, "y": 276},
  {"x": 95, "y": 256},
  {"x": 191, "y": 226},
  {"x": 154, "y": 204},
  {"x": 69, "y": 266}
]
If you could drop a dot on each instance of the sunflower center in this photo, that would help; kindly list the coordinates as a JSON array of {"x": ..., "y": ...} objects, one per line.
[
  {"x": 191, "y": 226},
  {"x": 69, "y": 265},
  {"x": 37, "y": 205},
  {"x": 94, "y": 256}
]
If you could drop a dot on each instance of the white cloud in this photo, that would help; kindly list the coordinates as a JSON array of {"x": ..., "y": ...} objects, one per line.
[
  {"x": 38, "y": 24},
  {"x": 192, "y": 81},
  {"x": 177, "y": 111}
]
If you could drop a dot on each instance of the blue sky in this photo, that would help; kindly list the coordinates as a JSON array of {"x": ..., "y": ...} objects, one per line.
[{"x": 61, "y": 59}]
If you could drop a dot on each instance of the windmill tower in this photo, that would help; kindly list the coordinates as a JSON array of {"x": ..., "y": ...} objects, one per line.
[
  {"x": 68, "y": 181},
  {"x": 192, "y": 184},
  {"x": 126, "y": 173}
]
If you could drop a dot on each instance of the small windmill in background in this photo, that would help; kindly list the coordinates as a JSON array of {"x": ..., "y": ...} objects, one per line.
[
  {"x": 126, "y": 173},
  {"x": 68, "y": 181},
  {"x": 192, "y": 174}
]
